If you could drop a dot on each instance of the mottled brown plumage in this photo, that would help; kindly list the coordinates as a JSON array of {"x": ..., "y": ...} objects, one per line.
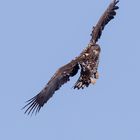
[{"x": 87, "y": 62}]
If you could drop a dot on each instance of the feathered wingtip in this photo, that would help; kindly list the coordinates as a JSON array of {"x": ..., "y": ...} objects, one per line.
[
  {"x": 32, "y": 106},
  {"x": 113, "y": 9},
  {"x": 107, "y": 16},
  {"x": 115, "y": 3}
]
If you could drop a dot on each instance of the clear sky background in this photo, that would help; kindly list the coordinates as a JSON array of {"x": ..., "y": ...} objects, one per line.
[{"x": 36, "y": 38}]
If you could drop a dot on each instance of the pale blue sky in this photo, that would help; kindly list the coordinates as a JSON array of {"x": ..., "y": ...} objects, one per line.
[{"x": 37, "y": 37}]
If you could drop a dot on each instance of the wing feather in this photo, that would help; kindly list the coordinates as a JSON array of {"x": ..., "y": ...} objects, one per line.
[
  {"x": 64, "y": 73},
  {"x": 105, "y": 18},
  {"x": 62, "y": 76}
]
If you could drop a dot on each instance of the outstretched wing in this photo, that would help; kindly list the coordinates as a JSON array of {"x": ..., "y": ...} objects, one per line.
[
  {"x": 62, "y": 75},
  {"x": 105, "y": 18}
]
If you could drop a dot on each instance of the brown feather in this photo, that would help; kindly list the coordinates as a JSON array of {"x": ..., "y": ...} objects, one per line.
[
  {"x": 105, "y": 18},
  {"x": 62, "y": 76},
  {"x": 88, "y": 61}
]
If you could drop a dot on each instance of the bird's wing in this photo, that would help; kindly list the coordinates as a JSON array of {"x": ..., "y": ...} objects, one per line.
[
  {"x": 105, "y": 18},
  {"x": 61, "y": 76}
]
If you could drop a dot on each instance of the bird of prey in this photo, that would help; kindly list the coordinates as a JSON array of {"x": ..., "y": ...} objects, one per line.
[{"x": 87, "y": 62}]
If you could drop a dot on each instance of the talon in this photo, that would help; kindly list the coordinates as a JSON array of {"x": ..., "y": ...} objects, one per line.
[
  {"x": 83, "y": 86},
  {"x": 97, "y": 75},
  {"x": 78, "y": 85},
  {"x": 93, "y": 81}
]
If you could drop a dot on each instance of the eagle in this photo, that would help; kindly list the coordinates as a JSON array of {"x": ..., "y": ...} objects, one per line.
[{"x": 87, "y": 62}]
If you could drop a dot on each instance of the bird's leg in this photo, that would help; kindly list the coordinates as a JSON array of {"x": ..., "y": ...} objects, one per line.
[
  {"x": 94, "y": 78},
  {"x": 96, "y": 75}
]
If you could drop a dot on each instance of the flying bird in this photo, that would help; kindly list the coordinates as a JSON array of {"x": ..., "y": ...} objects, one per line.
[{"x": 87, "y": 62}]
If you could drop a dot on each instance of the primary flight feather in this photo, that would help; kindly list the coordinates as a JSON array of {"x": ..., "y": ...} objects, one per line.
[{"x": 87, "y": 62}]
